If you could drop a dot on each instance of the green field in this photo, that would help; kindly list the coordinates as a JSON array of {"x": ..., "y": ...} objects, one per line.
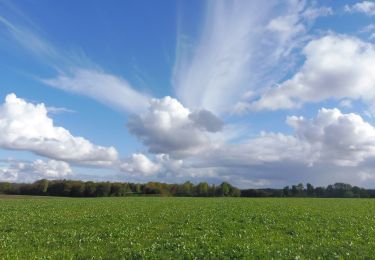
[{"x": 151, "y": 227}]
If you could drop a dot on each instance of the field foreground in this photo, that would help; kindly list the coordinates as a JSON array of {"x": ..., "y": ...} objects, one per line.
[{"x": 153, "y": 227}]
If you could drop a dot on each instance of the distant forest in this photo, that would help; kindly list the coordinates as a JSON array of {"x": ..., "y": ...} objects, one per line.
[{"x": 72, "y": 188}]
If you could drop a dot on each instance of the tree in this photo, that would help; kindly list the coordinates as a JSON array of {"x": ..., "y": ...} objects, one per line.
[
  {"x": 310, "y": 190},
  {"x": 90, "y": 189},
  {"x": 187, "y": 189},
  {"x": 286, "y": 191},
  {"x": 300, "y": 189},
  {"x": 320, "y": 192},
  {"x": 77, "y": 189},
  {"x": 224, "y": 189},
  {"x": 235, "y": 192},
  {"x": 138, "y": 188},
  {"x": 117, "y": 189},
  {"x": 202, "y": 189},
  {"x": 294, "y": 191},
  {"x": 103, "y": 189},
  {"x": 40, "y": 187}
]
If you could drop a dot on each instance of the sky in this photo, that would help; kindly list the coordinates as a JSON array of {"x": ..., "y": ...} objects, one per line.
[{"x": 256, "y": 93}]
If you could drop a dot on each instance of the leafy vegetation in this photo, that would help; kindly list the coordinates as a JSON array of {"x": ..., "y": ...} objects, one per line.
[
  {"x": 70, "y": 188},
  {"x": 185, "y": 228},
  {"x": 73, "y": 188}
]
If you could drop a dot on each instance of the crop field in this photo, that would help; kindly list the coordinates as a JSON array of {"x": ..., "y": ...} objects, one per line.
[{"x": 152, "y": 227}]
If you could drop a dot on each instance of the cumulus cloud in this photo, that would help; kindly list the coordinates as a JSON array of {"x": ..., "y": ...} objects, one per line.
[
  {"x": 365, "y": 7},
  {"x": 32, "y": 171},
  {"x": 25, "y": 126},
  {"x": 331, "y": 137},
  {"x": 330, "y": 147},
  {"x": 241, "y": 45},
  {"x": 343, "y": 139},
  {"x": 336, "y": 66},
  {"x": 168, "y": 127},
  {"x": 140, "y": 165},
  {"x": 206, "y": 120}
]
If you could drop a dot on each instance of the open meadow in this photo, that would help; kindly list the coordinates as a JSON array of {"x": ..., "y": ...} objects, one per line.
[{"x": 158, "y": 227}]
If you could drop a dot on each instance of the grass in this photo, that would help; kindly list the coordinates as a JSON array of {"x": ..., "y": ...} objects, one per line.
[{"x": 184, "y": 228}]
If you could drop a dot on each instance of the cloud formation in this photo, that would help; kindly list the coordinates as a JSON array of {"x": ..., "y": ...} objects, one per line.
[
  {"x": 140, "y": 165},
  {"x": 330, "y": 147},
  {"x": 170, "y": 128},
  {"x": 78, "y": 74},
  {"x": 25, "y": 126},
  {"x": 342, "y": 139},
  {"x": 365, "y": 7},
  {"x": 336, "y": 66},
  {"x": 224, "y": 65},
  {"x": 103, "y": 87},
  {"x": 32, "y": 171}
]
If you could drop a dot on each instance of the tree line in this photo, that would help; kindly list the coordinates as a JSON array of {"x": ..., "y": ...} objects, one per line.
[
  {"x": 337, "y": 190},
  {"x": 73, "y": 188}
]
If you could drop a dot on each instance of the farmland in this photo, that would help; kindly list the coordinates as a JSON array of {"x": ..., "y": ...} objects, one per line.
[{"x": 156, "y": 227}]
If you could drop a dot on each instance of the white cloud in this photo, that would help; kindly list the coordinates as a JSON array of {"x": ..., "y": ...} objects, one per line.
[
  {"x": 169, "y": 127},
  {"x": 366, "y": 7},
  {"x": 25, "y": 126},
  {"x": 32, "y": 171},
  {"x": 336, "y": 66},
  {"x": 331, "y": 137},
  {"x": 59, "y": 110},
  {"x": 29, "y": 40},
  {"x": 241, "y": 45},
  {"x": 77, "y": 74},
  {"x": 347, "y": 103},
  {"x": 330, "y": 147},
  {"x": 343, "y": 139},
  {"x": 140, "y": 165},
  {"x": 103, "y": 87}
]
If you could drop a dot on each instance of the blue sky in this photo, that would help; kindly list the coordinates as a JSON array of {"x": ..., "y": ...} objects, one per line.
[{"x": 258, "y": 94}]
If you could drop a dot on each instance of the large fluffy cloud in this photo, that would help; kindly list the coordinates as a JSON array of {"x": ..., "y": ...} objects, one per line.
[
  {"x": 343, "y": 139},
  {"x": 331, "y": 137},
  {"x": 170, "y": 128},
  {"x": 336, "y": 66},
  {"x": 140, "y": 165},
  {"x": 330, "y": 147},
  {"x": 31, "y": 171},
  {"x": 25, "y": 126}
]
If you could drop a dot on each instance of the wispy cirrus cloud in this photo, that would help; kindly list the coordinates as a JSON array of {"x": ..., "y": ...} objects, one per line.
[
  {"x": 241, "y": 45},
  {"x": 103, "y": 87},
  {"x": 77, "y": 74}
]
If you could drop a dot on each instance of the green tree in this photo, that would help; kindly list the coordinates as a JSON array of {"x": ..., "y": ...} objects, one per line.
[
  {"x": 90, "y": 189},
  {"x": 103, "y": 189},
  {"x": 310, "y": 190},
  {"x": 202, "y": 189},
  {"x": 286, "y": 191}
]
